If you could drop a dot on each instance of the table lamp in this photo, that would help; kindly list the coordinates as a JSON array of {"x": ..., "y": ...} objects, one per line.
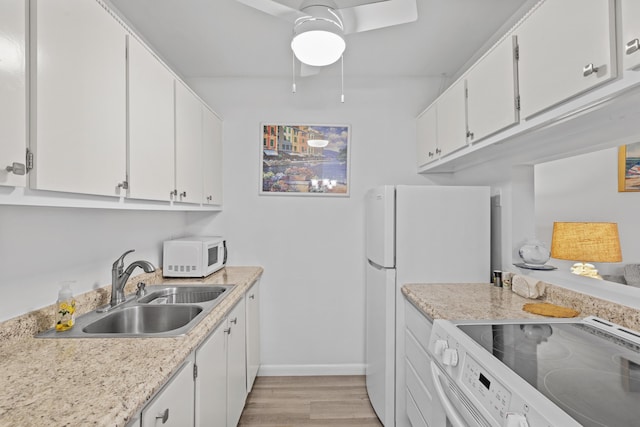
[{"x": 586, "y": 242}]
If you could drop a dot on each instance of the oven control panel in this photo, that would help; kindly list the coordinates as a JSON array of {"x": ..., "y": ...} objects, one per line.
[{"x": 493, "y": 396}]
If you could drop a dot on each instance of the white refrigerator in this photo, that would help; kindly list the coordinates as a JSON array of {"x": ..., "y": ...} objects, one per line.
[{"x": 415, "y": 234}]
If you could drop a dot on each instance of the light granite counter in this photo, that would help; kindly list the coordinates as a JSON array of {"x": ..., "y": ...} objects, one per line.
[
  {"x": 94, "y": 381},
  {"x": 483, "y": 301}
]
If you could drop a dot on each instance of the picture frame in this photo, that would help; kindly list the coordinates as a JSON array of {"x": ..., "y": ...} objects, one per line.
[
  {"x": 629, "y": 168},
  {"x": 304, "y": 159}
]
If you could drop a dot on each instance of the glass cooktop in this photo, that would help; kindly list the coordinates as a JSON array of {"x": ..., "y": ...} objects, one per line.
[{"x": 592, "y": 375}]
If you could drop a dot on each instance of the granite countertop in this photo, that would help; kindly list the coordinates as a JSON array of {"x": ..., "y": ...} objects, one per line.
[
  {"x": 94, "y": 381},
  {"x": 467, "y": 301},
  {"x": 483, "y": 301}
]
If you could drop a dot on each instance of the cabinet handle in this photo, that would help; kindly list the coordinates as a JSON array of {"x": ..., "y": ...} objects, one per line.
[
  {"x": 227, "y": 330},
  {"x": 17, "y": 168},
  {"x": 438, "y": 151},
  {"x": 183, "y": 194},
  {"x": 124, "y": 185},
  {"x": 164, "y": 416},
  {"x": 430, "y": 153},
  {"x": 470, "y": 134},
  {"x": 632, "y": 46},
  {"x": 589, "y": 69},
  {"x": 252, "y": 296},
  {"x": 234, "y": 320},
  {"x": 173, "y": 193}
]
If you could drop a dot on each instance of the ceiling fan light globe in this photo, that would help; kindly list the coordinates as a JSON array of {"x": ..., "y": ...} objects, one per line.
[{"x": 318, "y": 47}]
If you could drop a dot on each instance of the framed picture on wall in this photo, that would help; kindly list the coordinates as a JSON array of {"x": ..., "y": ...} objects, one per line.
[
  {"x": 629, "y": 167},
  {"x": 304, "y": 160}
]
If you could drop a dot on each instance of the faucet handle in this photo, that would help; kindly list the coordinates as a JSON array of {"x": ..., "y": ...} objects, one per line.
[{"x": 119, "y": 263}]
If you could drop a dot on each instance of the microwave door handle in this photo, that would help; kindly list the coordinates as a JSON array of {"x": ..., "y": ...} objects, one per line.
[
  {"x": 452, "y": 414},
  {"x": 224, "y": 245}
]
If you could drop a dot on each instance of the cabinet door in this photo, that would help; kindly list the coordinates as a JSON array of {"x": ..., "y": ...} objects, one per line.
[
  {"x": 492, "y": 92},
  {"x": 427, "y": 135},
  {"x": 173, "y": 405},
  {"x": 79, "y": 137},
  {"x": 253, "y": 334},
  {"x": 211, "y": 157},
  {"x": 151, "y": 164},
  {"x": 452, "y": 119},
  {"x": 188, "y": 145},
  {"x": 236, "y": 364},
  {"x": 211, "y": 382},
  {"x": 13, "y": 110},
  {"x": 630, "y": 13},
  {"x": 559, "y": 43}
]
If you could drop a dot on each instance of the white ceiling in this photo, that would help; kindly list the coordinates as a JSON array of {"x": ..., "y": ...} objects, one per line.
[{"x": 224, "y": 38}]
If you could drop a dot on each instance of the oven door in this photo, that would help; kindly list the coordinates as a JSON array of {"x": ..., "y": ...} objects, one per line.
[{"x": 459, "y": 409}]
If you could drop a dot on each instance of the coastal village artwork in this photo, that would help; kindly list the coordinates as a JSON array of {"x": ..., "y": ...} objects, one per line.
[
  {"x": 305, "y": 160},
  {"x": 629, "y": 167}
]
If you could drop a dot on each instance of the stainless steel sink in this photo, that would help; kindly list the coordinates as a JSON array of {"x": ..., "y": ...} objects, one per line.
[
  {"x": 166, "y": 310},
  {"x": 144, "y": 319},
  {"x": 183, "y": 295}
]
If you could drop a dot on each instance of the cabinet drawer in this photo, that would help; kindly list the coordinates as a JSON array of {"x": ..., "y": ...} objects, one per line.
[
  {"x": 418, "y": 324},
  {"x": 419, "y": 360},
  {"x": 414, "y": 415},
  {"x": 421, "y": 395}
]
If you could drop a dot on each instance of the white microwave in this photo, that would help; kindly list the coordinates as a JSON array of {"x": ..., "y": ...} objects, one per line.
[{"x": 193, "y": 256}]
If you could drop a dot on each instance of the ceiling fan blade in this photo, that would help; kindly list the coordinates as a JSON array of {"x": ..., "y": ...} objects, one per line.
[
  {"x": 274, "y": 8},
  {"x": 380, "y": 14}
]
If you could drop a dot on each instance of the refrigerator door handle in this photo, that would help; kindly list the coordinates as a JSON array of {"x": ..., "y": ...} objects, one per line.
[{"x": 376, "y": 266}]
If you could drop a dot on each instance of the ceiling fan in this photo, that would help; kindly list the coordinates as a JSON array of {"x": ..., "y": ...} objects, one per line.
[{"x": 319, "y": 26}]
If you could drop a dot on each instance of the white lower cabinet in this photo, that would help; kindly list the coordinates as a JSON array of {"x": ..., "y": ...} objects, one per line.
[
  {"x": 253, "y": 334},
  {"x": 423, "y": 406},
  {"x": 221, "y": 380},
  {"x": 236, "y": 364},
  {"x": 173, "y": 405},
  {"x": 211, "y": 381}
]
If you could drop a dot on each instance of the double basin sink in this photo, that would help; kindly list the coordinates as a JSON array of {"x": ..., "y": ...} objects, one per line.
[{"x": 164, "y": 311}]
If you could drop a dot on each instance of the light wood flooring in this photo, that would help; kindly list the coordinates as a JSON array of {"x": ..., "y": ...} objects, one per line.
[{"x": 309, "y": 401}]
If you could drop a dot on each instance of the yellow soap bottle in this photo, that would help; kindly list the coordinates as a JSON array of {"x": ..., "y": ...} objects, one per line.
[{"x": 65, "y": 308}]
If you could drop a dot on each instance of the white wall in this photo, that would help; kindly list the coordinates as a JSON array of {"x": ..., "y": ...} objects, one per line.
[
  {"x": 585, "y": 188},
  {"x": 312, "y": 248},
  {"x": 42, "y": 246}
]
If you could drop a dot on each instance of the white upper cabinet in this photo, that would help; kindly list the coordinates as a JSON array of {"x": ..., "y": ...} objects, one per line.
[
  {"x": 427, "y": 135},
  {"x": 566, "y": 48},
  {"x": 13, "y": 110},
  {"x": 151, "y": 168},
  {"x": 188, "y": 145},
  {"x": 452, "y": 119},
  {"x": 492, "y": 92},
  {"x": 630, "y": 19},
  {"x": 79, "y": 114},
  {"x": 211, "y": 158}
]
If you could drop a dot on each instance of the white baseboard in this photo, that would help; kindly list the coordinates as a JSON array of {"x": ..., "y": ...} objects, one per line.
[{"x": 310, "y": 370}]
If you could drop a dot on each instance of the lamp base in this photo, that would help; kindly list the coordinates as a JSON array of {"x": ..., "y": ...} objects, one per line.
[{"x": 584, "y": 269}]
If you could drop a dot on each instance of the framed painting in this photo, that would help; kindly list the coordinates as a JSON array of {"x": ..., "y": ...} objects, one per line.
[
  {"x": 304, "y": 160},
  {"x": 629, "y": 167}
]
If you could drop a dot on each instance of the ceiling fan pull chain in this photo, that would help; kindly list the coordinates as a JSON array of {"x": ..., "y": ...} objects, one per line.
[
  {"x": 342, "y": 82},
  {"x": 293, "y": 71}
]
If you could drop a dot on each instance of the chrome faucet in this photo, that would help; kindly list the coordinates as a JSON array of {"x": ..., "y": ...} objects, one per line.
[{"x": 120, "y": 275}]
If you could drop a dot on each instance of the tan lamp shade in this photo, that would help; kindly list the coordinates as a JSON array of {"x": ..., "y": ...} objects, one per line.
[{"x": 586, "y": 241}]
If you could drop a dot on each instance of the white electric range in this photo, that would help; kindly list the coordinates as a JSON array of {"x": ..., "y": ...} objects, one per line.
[{"x": 550, "y": 373}]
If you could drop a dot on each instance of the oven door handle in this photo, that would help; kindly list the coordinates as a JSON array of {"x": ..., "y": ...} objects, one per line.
[{"x": 452, "y": 414}]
